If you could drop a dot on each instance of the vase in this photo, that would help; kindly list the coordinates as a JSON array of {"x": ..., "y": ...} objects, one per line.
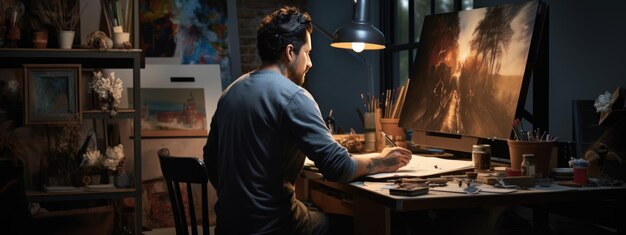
[
  {"x": 40, "y": 39},
  {"x": 95, "y": 179},
  {"x": 541, "y": 149},
  {"x": 66, "y": 39},
  {"x": 119, "y": 39},
  {"x": 122, "y": 180}
]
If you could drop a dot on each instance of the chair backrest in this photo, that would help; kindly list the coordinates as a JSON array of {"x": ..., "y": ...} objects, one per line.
[
  {"x": 585, "y": 125},
  {"x": 188, "y": 171}
]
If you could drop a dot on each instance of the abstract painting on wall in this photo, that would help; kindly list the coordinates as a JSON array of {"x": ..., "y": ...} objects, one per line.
[{"x": 194, "y": 31}]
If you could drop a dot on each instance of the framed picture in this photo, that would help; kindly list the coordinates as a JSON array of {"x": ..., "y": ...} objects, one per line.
[{"x": 51, "y": 93}]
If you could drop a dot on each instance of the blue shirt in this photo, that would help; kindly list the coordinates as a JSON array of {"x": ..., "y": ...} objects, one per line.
[{"x": 262, "y": 129}]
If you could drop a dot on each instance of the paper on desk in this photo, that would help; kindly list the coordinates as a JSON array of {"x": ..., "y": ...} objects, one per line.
[{"x": 426, "y": 166}]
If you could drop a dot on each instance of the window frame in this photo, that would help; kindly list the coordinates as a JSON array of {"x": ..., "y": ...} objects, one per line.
[{"x": 388, "y": 13}]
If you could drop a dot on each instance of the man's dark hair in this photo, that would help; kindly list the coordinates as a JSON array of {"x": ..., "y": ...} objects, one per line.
[{"x": 284, "y": 26}]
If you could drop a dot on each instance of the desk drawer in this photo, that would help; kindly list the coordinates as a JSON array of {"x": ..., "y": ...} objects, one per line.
[{"x": 329, "y": 203}]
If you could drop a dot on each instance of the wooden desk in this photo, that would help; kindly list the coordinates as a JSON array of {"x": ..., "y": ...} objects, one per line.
[{"x": 372, "y": 206}]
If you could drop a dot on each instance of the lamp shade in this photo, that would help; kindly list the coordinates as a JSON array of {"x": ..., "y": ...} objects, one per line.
[{"x": 359, "y": 34}]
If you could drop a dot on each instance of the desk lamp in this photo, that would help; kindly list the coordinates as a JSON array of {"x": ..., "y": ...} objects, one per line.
[{"x": 359, "y": 35}]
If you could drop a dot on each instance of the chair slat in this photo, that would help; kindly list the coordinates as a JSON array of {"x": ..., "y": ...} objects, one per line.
[{"x": 187, "y": 170}]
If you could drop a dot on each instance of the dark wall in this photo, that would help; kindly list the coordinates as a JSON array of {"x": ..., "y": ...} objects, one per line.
[{"x": 338, "y": 77}]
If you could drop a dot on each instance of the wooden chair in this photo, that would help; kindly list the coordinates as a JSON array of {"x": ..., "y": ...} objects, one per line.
[{"x": 186, "y": 170}]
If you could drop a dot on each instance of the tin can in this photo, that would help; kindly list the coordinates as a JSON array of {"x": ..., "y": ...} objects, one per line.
[{"x": 481, "y": 156}]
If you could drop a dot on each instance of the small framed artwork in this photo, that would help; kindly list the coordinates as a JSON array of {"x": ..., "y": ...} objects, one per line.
[{"x": 51, "y": 93}]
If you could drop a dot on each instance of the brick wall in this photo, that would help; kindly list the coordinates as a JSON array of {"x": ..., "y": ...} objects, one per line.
[{"x": 249, "y": 14}]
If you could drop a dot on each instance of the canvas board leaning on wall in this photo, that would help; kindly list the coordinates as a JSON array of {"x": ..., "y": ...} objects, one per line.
[
  {"x": 164, "y": 101},
  {"x": 206, "y": 76}
]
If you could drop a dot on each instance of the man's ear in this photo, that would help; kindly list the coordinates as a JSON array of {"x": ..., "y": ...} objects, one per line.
[{"x": 289, "y": 53}]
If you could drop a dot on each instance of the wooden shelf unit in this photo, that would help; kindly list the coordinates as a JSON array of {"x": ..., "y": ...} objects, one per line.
[{"x": 14, "y": 58}]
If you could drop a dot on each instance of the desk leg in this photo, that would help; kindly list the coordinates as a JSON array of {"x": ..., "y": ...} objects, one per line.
[{"x": 370, "y": 217}]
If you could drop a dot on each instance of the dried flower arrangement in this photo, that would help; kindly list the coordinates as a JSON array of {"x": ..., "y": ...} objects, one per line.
[
  {"x": 112, "y": 160},
  {"x": 64, "y": 15},
  {"x": 63, "y": 164},
  {"x": 108, "y": 90},
  {"x": 68, "y": 139}
]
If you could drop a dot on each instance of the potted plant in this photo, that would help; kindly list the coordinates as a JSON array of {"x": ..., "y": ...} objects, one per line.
[
  {"x": 63, "y": 15},
  {"x": 39, "y": 34}
]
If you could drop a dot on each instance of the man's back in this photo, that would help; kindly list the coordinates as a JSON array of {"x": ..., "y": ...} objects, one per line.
[{"x": 261, "y": 122}]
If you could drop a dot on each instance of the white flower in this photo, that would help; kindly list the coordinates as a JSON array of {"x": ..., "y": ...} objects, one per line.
[
  {"x": 113, "y": 157},
  {"x": 93, "y": 156},
  {"x": 603, "y": 103},
  {"x": 107, "y": 86}
]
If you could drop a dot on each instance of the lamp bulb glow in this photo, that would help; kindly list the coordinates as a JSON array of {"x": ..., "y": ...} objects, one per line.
[{"x": 358, "y": 46}]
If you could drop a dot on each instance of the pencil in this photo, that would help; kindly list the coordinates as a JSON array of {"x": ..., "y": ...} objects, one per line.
[{"x": 388, "y": 139}]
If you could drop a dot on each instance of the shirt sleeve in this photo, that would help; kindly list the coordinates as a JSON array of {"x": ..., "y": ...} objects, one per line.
[{"x": 311, "y": 135}]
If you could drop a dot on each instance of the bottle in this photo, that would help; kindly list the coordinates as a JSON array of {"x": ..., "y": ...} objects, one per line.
[
  {"x": 481, "y": 156},
  {"x": 330, "y": 122},
  {"x": 528, "y": 164}
]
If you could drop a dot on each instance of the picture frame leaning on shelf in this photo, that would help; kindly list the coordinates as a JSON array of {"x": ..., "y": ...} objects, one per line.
[{"x": 51, "y": 93}]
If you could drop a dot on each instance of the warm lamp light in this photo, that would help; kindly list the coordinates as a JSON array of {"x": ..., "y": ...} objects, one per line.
[
  {"x": 359, "y": 35},
  {"x": 358, "y": 46}
]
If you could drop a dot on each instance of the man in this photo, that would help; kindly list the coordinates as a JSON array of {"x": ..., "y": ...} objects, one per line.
[{"x": 264, "y": 126}]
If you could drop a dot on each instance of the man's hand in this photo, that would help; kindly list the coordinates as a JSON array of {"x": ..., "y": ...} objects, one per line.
[
  {"x": 393, "y": 158},
  {"x": 389, "y": 160}
]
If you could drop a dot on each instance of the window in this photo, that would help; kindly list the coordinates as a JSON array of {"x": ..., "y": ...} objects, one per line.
[{"x": 401, "y": 21}]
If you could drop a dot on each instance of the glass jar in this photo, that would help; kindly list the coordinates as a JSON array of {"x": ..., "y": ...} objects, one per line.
[
  {"x": 528, "y": 164},
  {"x": 481, "y": 156}
]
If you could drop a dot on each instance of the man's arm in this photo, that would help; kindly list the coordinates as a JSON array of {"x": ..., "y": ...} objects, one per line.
[{"x": 389, "y": 160}]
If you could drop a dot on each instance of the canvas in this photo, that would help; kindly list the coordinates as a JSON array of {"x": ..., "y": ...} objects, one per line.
[
  {"x": 469, "y": 71},
  {"x": 172, "y": 112},
  {"x": 186, "y": 31}
]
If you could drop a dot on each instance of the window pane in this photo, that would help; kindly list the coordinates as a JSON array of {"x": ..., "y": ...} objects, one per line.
[
  {"x": 422, "y": 8},
  {"x": 468, "y": 4},
  {"x": 443, "y": 6},
  {"x": 402, "y": 24},
  {"x": 400, "y": 67}
]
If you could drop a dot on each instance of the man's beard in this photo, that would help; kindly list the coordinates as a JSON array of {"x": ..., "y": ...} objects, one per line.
[{"x": 298, "y": 79}]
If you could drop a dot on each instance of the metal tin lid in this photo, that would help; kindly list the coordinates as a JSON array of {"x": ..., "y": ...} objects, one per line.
[{"x": 481, "y": 148}]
